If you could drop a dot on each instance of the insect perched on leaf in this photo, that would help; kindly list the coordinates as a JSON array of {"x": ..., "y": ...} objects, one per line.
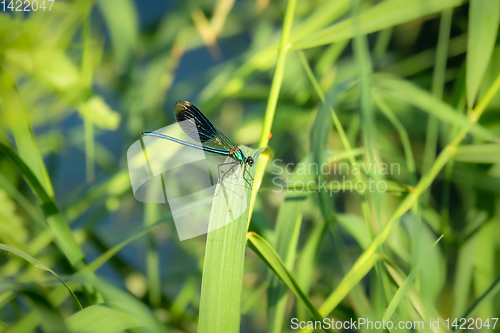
[{"x": 197, "y": 126}]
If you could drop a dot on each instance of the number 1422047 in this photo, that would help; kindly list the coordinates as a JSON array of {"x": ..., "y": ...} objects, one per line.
[{"x": 26, "y": 5}]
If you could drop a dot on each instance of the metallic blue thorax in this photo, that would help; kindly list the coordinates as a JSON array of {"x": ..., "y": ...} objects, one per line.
[{"x": 238, "y": 155}]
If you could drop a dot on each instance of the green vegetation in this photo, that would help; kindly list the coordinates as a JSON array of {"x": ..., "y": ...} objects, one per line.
[{"x": 405, "y": 92}]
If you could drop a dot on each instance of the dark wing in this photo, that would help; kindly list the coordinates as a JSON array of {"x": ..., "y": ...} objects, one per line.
[{"x": 193, "y": 122}]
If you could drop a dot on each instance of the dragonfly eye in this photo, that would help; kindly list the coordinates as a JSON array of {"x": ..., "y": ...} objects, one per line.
[{"x": 249, "y": 160}]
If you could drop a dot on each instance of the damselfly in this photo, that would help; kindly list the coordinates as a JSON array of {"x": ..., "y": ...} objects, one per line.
[{"x": 210, "y": 138}]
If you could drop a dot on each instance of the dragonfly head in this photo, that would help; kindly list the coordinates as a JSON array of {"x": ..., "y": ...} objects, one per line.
[{"x": 249, "y": 160}]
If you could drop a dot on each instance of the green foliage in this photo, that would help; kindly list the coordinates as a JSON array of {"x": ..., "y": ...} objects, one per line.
[{"x": 346, "y": 85}]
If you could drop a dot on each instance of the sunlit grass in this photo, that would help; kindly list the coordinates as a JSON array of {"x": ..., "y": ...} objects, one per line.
[{"x": 409, "y": 82}]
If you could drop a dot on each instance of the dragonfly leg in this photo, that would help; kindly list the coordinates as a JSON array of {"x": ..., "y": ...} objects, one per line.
[
  {"x": 221, "y": 175},
  {"x": 248, "y": 173}
]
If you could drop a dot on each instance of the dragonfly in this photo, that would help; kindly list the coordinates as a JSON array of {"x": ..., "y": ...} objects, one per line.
[{"x": 197, "y": 126}]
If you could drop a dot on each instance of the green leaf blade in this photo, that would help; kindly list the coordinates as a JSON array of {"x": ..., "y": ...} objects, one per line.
[
  {"x": 222, "y": 279},
  {"x": 382, "y": 16},
  {"x": 483, "y": 29}
]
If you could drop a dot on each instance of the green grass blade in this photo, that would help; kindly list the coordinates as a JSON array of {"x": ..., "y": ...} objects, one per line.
[
  {"x": 260, "y": 169},
  {"x": 103, "y": 258},
  {"x": 368, "y": 258},
  {"x": 278, "y": 73},
  {"x": 153, "y": 272},
  {"x": 101, "y": 318},
  {"x": 481, "y": 153},
  {"x": 405, "y": 139},
  {"x": 438, "y": 80},
  {"x": 364, "y": 66},
  {"x": 356, "y": 227},
  {"x": 415, "y": 297},
  {"x": 410, "y": 93},
  {"x": 49, "y": 318},
  {"x": 224, "y": 260},
  {"x": 358, "y": 272},
  {"x": 277, "y": 299},
  {"x": 384, "y": 15},
  {"x": 400, "y": 294},
  {"x": 33, "y": 211},
  {"x": 363, "y": 63},
  {"x": 86, "y": 74},
  {"x": 123, "y": 36},
  {"x": 307, "y": 260},
  {"x": 40, "y": 265},
  {"x": 492, "y": 290},
  {"x": 63, "y": 235},
  {"x": 264, "y": 250},
  {"x": 484, "y": 276},
  {"x": 18, "y": 118},
  {"x": 31, "y": 321},
  {"x": 483, "y": 28},
  {"x": 127, "y": 304},
  {"x": 88, "y": 129},
  {"x": 421, "y": 61},
  {"x": 335, "y": 94},
  {"x": 287, "y": 231}
]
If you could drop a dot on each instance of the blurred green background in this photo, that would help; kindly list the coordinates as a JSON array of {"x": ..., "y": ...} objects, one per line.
[{"x": 366, "y": 82}]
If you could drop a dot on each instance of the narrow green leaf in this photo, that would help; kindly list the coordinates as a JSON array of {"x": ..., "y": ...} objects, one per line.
[
  {"x": 111, "y": 293},
  {"x": 415, "y": 297},
  {"x": 102, "y": 318},
  {"x": 18, "y": 119},
  {"x": 410, "y": 93},
  {"x": 123, "y": 302},
  {"x": 264, "y": 250},
  {"x": 40, "y": 265},
  {"x": 224, "y": 260},
  {"x": 360, "y": 269},
  {"x": 13, "y": 232},
  {"x": 384, "y": 15},
  {"x": 33, "y": 211},
  {"x": 327, "y": 103},
  {"x": 484, "y": 17},
  {"x": 357, "y": 228},
  {"x": 362, "y": 59},
  {"x": 278, "y": 73},
  {"x": 431, "y": 140},
  {"x": 277, "y": 296},
  {"x": 104, "y": 257},
  {"x": 405, "y": 288},
  {"x": 58, "y": 225},
  {"x": 123, "y": 36},
  {"x": 287, "y": 231},
  {"x": 369, "y": 257},
  {"x": 402, "y": 292},
  {"x": 307, "y": 263},
  {"x": 185, "y": 296},
  {"x": 151, "y": 214},
  {"x": 492, "y": 290},
  {"x": 49, "y": 318},
  {"x": 481, "y": 153},
  {"x": 88, "y": 129},
  {"x": 405, "y": 139}
]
